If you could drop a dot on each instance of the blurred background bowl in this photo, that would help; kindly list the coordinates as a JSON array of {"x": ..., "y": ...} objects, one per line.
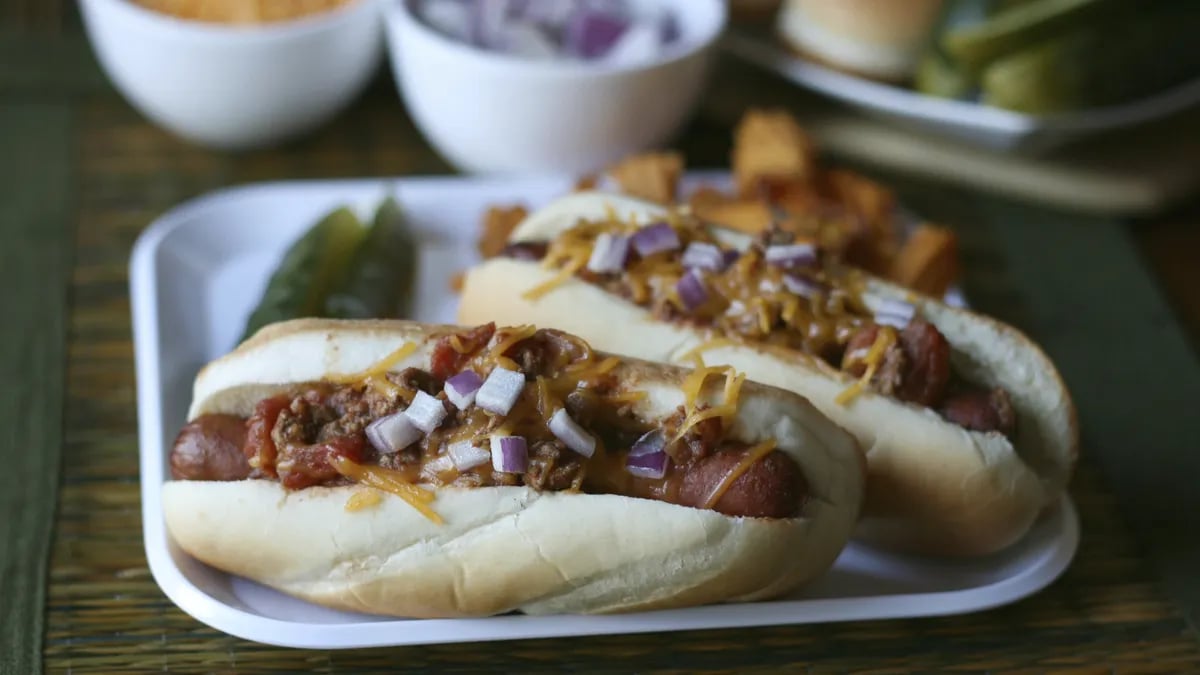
[
  {"x": 232, "y": 86},
  {"x": 488, "y": 112}
]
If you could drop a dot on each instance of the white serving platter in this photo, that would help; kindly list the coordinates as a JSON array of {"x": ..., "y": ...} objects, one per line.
[
  {"x": 195, "y": 275},
  {"x": 968, "y": 121}
]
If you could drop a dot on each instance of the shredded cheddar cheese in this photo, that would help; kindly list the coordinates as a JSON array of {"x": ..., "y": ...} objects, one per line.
[
  {"x": 507, "y": 363},
  {"x": 562, "y": 277},
  {"x": 884, "y": 339},
  {"x": 754, "y": 454},
  {"x": 379, "y": 368},
  {"x": 698, "y": 350},
  {"x": 363, "y": 499},
  {"x": 457, "y": 345},
  {"x": 627, "y": 397},
  {"x": 388, "y": 481},
  {"x": 515, "y": 335}
]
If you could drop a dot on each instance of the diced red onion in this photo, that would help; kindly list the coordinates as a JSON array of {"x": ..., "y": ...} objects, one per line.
[
  {"x": 609, "y": 253},
  {"x": 438, "y": 465},
  {"x": 591, "y": 34},
  {"x": 655, "y": 238},
  {"x": 510, "y": 454},
  {"x": 805, "y": 288},
  {"x": 460, "y": 389},
  {"x": 731, "y": 256},
  {"x": 639, "y": 43},
  {"x": 487, "y": 21},
  {"x": 426, "y": 412},
  {"x": 704, "y": 256},
  {"x": 526, "y": 40},
  {"x": 792, "y": 255},
  {"x": 500, "y": 391},
  {"x": 896, "y": 313},
  {"x": 650, "y": 465},
  {"x": 650, "y": 442},
  {"x": 466, "y": 455},
  {"x": 393, "y": 433},
  {"x": 570, "y": 433},
  {"x": 691, "y": 290}
]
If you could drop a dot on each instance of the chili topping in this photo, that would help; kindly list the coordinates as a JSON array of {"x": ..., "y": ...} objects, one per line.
[
  {"x": 499, "y": 407},
  {"x": 780, "y": 291}
]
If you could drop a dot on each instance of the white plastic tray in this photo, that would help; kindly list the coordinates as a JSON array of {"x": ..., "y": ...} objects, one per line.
[
  {"x": 965, "y": 120},
  {"x": 195, "y": 275}
]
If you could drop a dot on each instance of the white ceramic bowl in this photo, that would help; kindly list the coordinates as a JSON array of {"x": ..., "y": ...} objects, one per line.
[
  {"x": 236, "y": 87},
  {"x": 487, "y": 112}
]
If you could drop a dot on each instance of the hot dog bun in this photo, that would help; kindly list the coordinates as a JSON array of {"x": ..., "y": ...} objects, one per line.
[
  {"x": 881, "y": 39},
  {"x": 933, "y": 486},
  {"x": 504, "y": 548}
]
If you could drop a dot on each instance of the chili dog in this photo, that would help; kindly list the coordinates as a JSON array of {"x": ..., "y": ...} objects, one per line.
[
  {"x": 414, "y": 470},
  {"x": 969, "y": 431}
]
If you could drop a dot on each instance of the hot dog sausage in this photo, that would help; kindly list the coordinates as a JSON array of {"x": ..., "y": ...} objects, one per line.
[
  {"x": 772, "y": 487},
  {"x": 210, "y": 448}
]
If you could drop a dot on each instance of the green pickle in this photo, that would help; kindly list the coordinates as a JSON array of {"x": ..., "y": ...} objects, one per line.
[
  {"x": 308, "y": 271},
  {"x": 1022, "y": 25},
  {"x": 380, "y": 277},
  {"x": 1148, "y": 49}
]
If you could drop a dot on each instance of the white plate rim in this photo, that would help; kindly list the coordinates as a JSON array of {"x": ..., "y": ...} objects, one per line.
[
  {"x": 905, "y": 103},
  {"x": 247, "y": 625}
]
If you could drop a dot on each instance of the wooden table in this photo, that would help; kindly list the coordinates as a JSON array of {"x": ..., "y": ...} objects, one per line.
[{"x": 81, "y": 174}]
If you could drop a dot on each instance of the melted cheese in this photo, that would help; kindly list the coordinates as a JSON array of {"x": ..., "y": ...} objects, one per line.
[
  {"x": 885, "y": 338},
  {"x": 627, "y": 397},
  {"x": 388, "y": 481},
  {"x": 457, "y": 345},
  {"x": 379, "y": 368},
  {"x": 693, "y": 384},
  {"x": 363, "y": 499},
  {"x": 698, "y": 350},
  {"x": 515, "y": 335},
  {"x": 568, "y": 271},
  {"x": 753, "y": 455}
]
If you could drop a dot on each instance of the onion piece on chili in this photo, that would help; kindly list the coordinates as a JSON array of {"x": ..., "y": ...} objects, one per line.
[
  {"x": 691, "y": 290},
  {"x": 655, "y": 238},
  {"x": 500, "y": 391},
  {"x": 439, "y": 465},
  {"x": 426, "y": 412},
  {"x": 466, "y": 455},
  {"x": 650, "y": 465},
  {"x": 805, "y": 288},
  {"x": 393, "y": 433},
  {"x": 791, "y": 255},
  {"x": 704, "y": 256},
  {"x": 571, "y": 434},
  {"x": 460, "y": 389},
  {"x": 651, "y": 442},
  {"x": 608, "y": 254},
  {"x": 510, "y": 454},
  {"x": 895, "y": 313}
]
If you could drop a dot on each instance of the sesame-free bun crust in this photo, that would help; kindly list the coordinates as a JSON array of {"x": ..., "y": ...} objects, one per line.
[
  {"x": 933, "y": 486},
  {"x": 879, "y": 39},
  {"x": 505, "y": 548}
]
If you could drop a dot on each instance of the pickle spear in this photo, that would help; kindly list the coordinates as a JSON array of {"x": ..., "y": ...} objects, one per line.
[
  {"x": 1146, "y": 50},
  {"x": 379, "y": 280},
  {"x": 308, "y": 271},
  {"x": 1020, "y": 26}
]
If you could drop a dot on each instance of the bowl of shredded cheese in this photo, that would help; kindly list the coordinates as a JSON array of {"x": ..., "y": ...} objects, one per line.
[{"x": 237, "y": 74}]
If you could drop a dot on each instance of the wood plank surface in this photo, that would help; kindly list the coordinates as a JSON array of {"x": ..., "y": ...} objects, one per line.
[{"x": 35, "y": 244}]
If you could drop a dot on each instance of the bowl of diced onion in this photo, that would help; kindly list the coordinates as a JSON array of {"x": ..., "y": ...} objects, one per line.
[
  {"x": 237, "y": 74},
  {"x": 502, "y": 86}
]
